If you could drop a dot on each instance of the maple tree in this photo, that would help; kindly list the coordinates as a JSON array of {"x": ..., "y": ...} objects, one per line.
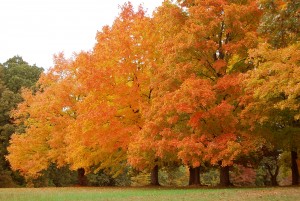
[
  {"x": 116, "y": 75},
  {"x": 142, "y": 148},
  {"x": 45, "y": 115},
  {"x": 272, "y": 87},
  {"x": 101, "y": 110},
  {"x": 273, "y": 97},
  {"x": 207, "y": 53}
]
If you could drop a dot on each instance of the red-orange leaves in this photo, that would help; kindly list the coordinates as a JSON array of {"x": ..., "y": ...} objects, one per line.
[
  {"x": 195, "y": 119},
  {"x": 192, "y": 150},
  {"x": 184, "y": 108},
  {"x": 195, "y": 92},
  {"x": 215, "y": 121},
  {"x": 219, "y": 64},
  {"x": 224, "y": 148},
  {"x": 168, "y": 131},
  {"x": 229, "y": 84}
]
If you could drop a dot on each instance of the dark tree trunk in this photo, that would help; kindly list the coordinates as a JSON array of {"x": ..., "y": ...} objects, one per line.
[
  {"x": 154, "y": 176},
  {"x": 224, "y": 176},
  {"x": 82, "y": 180},
  {"x": 194, "y": 176},
  {"x": 273, "y": 176},
  {"x": 295, "y": 171},
  {"x": 274, "y": 180}
]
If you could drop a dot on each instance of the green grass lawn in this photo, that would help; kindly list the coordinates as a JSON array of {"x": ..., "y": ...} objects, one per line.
[{"x": 205, "y": 194}]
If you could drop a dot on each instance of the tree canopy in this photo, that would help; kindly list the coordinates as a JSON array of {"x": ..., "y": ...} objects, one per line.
[{"x": 201, "y": 83}]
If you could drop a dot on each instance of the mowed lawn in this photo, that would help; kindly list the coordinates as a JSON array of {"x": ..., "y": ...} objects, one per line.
[{"x": 205, "y": 194}]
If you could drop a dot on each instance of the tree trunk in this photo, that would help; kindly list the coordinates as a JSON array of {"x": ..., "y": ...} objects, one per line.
[
  {"x": 273, "y": 176},
  {"x": 295, "y": 171},
  {"x": 224, "y": 176},
  {"x": 274, "y": 180},
  {"x": 194, "y": 176},
  {"x": 154, "y": 176},
  {"x": 82, "y": 180}
]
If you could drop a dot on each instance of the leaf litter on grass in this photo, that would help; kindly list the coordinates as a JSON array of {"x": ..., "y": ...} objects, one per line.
[{"x": 145, "y": 194}]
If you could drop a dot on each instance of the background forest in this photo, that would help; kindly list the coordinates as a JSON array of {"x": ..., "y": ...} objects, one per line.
[{"x": 204, "y": 92}]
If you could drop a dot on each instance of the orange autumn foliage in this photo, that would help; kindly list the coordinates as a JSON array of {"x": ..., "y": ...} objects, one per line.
[
  {"x": 93, "y": 101},
  {"x": 153, "y": 91},
  {"x": 45, "y": 114},
  {"x": 194, "y": 117}
]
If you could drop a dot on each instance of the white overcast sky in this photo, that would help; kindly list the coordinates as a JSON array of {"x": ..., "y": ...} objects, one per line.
[{"x": 37, "y": 29}]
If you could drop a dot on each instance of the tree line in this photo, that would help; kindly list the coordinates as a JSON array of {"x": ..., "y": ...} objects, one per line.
[{"x": 202, "y": 85}]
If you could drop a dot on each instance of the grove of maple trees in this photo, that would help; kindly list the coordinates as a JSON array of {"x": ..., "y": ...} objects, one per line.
[{"x": 201, "y": 83}]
